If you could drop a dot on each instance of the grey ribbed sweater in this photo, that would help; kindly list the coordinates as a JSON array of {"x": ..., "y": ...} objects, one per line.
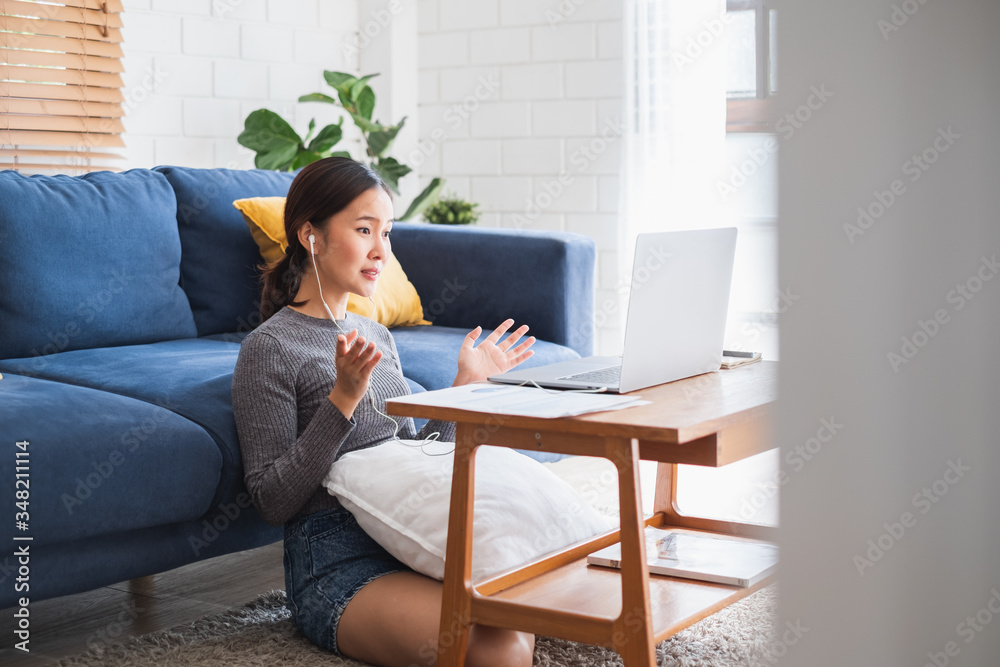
[{"x": 290, "y": 433}]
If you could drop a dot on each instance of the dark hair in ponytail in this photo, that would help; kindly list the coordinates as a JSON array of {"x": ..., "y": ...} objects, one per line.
[{"x": 321, "y": 190}]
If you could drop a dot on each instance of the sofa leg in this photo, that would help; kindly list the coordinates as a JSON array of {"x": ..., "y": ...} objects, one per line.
[{"x": 142, "y": 585}]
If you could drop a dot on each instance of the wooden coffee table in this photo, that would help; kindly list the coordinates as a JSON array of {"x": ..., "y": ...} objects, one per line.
[{"x": 710, "y": 420}]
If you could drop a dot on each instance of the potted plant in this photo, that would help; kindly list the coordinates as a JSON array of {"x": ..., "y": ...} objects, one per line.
[
  {"x": 279, "y": 146},
  {"x": 452, "y": 211}
]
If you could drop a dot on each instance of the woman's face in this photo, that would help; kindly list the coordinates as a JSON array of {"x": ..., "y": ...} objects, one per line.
[{"x": 355, "y": 244}]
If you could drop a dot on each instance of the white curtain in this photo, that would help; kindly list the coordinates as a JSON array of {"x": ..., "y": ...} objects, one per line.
[
  {"x": 675, "y": 151},
  {"x": 675, "y": 116}
]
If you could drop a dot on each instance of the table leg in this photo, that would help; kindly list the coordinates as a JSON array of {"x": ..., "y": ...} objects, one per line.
[
  {"x": 665, "y": 504},
  {"x": 456, "y": 602},
  {"x": 632, "y": 632}
]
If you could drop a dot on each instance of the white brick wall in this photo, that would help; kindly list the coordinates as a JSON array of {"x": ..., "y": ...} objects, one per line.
[
  {"x": 196, "y": 68},
  {"x": 518, "y": 99},
  {"x": 506, "y": 45},
  {"x": 569, "y": 42},
  {"x": 211, "y": 37},
  {"x": 542, "y": 150}
]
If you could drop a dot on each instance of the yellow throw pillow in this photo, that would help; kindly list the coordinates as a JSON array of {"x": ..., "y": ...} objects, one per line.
[{"x": 396, "y": 297}]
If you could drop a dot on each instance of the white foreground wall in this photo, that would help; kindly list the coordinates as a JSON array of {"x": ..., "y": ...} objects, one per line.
[{"x": 891, "y": 546}]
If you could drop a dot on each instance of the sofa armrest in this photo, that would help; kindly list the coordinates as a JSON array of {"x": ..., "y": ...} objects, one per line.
[{"x": 469, "y": 276}]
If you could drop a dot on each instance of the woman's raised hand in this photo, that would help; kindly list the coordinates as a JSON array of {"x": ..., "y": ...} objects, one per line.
[
  {"x": 356, "y": 358},
  {"x": 490, "y": 357}
]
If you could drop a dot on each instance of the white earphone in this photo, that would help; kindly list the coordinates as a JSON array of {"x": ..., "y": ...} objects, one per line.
[{"x": 312, "y": 253}]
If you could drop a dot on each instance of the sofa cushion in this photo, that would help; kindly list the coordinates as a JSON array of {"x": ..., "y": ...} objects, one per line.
[
  {"x": 219, "y": 257},
  {"x": 192, "y": 378},
  {"x": 101, "y": 463},
  {"x": 89, "y": 261},
  {"x": 429, "y": 355}
]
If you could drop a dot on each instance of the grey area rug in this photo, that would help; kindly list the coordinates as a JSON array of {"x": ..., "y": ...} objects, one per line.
[{"x": 262, "y": 633}]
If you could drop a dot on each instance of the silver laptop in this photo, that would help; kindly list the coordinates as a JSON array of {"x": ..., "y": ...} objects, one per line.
[{"x": 676, "y": 317}]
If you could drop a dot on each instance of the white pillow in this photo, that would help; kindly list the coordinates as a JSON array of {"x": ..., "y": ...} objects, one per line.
[{"x": 400, "y": 496}]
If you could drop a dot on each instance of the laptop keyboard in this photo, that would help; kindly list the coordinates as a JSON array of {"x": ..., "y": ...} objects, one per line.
[{"x": 603, "y": 376}]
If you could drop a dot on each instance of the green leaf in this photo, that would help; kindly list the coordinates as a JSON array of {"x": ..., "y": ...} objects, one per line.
[
  {"x": 312, "y": 126},
  {"x": 340, "y": 154},
  {"x": 391, "y": 171},
  {"x": 424, "y": 199},
  {"x": 317, "y": 97},
  {"x": 274, "y": 140},
  {"x": 304, "y": 158},
  {"x": 366, "y": 102},
  {"x": 358, "y": 86},
  {"x": 338, "y": 80},
  {"x": 380, "y": 140},
  {"x": 326, "y": 139},
  {"x": 364, "y": 124},
  {"x": 345, "y": 99}
]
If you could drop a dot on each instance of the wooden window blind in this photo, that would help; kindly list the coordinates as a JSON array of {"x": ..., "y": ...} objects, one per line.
[{"x": 60, "y": 85}]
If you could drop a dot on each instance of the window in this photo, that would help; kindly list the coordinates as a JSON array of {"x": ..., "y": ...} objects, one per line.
[
  {"x": 748, "y": 490},
  {"x": 60, "y": 84},
  {"x": 752, "y": 74}
]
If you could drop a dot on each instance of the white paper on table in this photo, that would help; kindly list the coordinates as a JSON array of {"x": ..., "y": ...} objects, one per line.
[{"x": 504, "y": 399}]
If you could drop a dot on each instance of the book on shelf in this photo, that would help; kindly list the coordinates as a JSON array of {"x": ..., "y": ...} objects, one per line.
[
  {"x": 732, "y": 359},
  {"x": 703, "y": 556}
]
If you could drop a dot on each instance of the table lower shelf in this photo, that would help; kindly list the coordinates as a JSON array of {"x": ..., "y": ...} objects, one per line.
[{"x": 576, "y": 601}]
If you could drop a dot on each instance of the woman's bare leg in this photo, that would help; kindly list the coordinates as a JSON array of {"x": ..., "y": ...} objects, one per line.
[{"x": 394, "y": 622}]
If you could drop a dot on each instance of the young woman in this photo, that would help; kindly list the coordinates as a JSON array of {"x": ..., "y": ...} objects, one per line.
[{"x": 309, "y": 386}]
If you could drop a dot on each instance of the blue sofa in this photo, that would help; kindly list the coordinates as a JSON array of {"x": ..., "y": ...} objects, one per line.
[{"x": 124, "y": 300}]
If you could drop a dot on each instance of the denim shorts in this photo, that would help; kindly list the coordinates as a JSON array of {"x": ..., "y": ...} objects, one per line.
[{"x": 328, "y": 559}]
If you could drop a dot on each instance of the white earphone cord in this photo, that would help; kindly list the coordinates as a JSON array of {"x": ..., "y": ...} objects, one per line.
[{"x": 433, "y": 437}]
